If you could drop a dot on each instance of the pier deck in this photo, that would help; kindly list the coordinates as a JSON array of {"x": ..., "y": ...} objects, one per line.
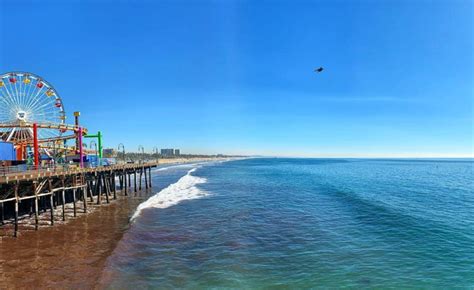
[
  {"x": 7, "y": 176},
  {"x": 32, "y": 192}
]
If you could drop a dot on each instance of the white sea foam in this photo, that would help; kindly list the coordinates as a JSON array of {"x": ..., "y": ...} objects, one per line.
[
  {"x": 174, "y": 166},
  {"x": 184, "y": 189}
]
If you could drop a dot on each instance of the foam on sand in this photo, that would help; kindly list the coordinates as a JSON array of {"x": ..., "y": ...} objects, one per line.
[{"x": 184, "y": 189}]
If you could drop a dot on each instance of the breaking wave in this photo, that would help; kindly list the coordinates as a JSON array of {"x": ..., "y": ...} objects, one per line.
[{"x": 184, "y": 189}]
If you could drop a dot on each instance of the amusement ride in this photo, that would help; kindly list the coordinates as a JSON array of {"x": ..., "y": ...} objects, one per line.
[{"x": 33, "y": 119}]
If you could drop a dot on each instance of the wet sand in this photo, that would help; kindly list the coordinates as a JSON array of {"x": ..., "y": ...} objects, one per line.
[{"x": 70, "y": 255}]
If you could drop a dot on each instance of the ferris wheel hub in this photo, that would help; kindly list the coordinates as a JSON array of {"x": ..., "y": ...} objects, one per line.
[{"x": 21, "y": 115}]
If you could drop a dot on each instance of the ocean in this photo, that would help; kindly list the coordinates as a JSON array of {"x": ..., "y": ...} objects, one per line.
[{"x": 302, "y": 223}]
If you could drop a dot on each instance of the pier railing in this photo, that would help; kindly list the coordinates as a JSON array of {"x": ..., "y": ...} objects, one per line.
[
  {"x": 58, "y": 168},
  {"x": 6, "y": 170}
]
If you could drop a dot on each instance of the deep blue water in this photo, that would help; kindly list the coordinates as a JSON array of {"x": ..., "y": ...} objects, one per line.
[{"x": 303, "y": 223}]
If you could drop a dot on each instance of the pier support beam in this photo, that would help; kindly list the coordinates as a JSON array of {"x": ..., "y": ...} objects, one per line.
[
  {"x": 149, "y": 176},
  {"x": 16, "y": 210},
  {"x": 135, "y": 180},
  {"x": 91, "y": 189},
  {"x": 63, "y": 198},
  {"x": 36, "y": 205},
  {"x": 74, "y": 201},
  {"x": 146, "y": 178},
  {"x": 114, "y": 186},
  {"x": 124, "y": 177},
  {"x": 106, "y": 187},
  {"x": 51, "y": 201},
  {"x": 140, "y": 183},
  {"x": 99, "y": 189},
  {"x": 52, "y": 208},
  {"x": 84, "y": 196}
]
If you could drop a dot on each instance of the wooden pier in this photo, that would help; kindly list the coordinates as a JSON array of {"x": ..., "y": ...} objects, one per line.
[{"x": 39, "y": 192}]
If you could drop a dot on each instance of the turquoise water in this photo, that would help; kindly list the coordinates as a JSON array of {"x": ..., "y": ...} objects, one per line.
[{"x": 303, "y": 223}]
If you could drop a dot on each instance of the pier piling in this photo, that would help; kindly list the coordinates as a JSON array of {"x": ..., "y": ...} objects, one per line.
[
  {"x": 84, "y": 197},
  {"x": 146, "y": 178},
  {"x": 135, "y": 180},
  {"x": 140, "y": 183},
  {"x": 36, "y": 205},
  {"x": 16, "y": 210},
  {"x": 74, "y": 201},
  {"x": 149, "y": 176},
  {"x": 51, "y": 200},
  {"x": 63, "y": 199}
]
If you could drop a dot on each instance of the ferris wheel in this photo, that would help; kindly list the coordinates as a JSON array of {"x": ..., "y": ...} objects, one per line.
[{"x": 27, "y": 99}]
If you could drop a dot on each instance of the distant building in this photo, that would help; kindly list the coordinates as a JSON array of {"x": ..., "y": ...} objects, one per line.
[
  {"x": 167, "y": 152},
  {"x": 176, "y": 152}
]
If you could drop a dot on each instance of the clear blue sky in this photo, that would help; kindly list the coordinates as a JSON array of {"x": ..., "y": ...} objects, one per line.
[{"x": 236, "y": 76}]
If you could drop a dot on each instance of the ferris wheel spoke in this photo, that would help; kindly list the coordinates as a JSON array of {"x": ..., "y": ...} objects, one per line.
[
  {"x": 30, "y": 90},
  {"x": 44, "y": 118},
  {"x": 7, "y": 102},
  {"x": 20, "y": 90},
  {"x": 24, "y": 135},
  {"x": 47, "y": 112},
  {"x": 25, "y": 86},
  {"x": 27, "y": 134},
  {"x": 20, "y": 82},
  {"x": 39, "y": 90},
  {"x": 8, "y": 92},
  {"x": 18, "y": 85},
  {"x": 14, "y": 91},
  {"x": 34, "y": 97},
  {"x": 41, "y": 99},
  {"x": 42, "y": 114},
  {"x": 20, "y": 135},
  {"x": 6, "y": 97},
  {"x": 42, "y": 106},
  {"x": 31, "y": 87},
  {"x": 5, "y": 81},
  {"x": 5, "y": 111}
]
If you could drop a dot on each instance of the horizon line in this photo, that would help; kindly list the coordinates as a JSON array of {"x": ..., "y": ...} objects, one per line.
[{"x": 366, "y": 157}]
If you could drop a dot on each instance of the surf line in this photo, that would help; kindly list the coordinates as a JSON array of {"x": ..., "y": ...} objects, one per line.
[{"x": 184, "y": 189}]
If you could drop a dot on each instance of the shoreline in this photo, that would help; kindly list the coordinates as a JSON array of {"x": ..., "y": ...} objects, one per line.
[{"x": 71, "y": 254}]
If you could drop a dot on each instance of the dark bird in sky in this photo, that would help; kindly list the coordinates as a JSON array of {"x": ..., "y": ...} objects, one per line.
[{"x": 319, "y": 69}]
